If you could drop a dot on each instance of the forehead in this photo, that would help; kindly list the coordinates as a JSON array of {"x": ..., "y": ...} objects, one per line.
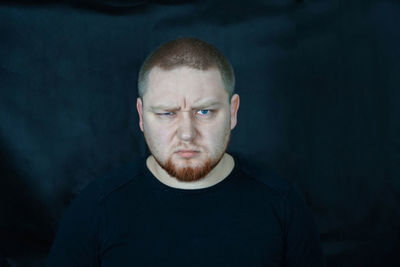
[{"x": 184, "y": 83}]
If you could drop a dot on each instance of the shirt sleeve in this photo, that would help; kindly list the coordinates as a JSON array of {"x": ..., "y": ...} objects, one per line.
[
  {"x": 303, "y": 246},
  {"x": 76, "y": 241}
]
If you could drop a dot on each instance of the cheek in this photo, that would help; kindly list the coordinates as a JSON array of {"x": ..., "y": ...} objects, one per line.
[
  {"x": 215, "y": 135},
  {"x": 160, "y": 136},
  {"x": 163, "y": 138}
]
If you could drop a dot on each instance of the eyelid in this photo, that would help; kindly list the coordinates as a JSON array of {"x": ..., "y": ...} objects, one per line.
[{"x": 163, "y": 113}]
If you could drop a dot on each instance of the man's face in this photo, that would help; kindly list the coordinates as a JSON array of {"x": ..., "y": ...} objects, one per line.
[{"x": 186, "y": 109}]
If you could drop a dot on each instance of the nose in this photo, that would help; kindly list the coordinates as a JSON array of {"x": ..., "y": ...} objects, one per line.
[{"x": 186, "y": 130}]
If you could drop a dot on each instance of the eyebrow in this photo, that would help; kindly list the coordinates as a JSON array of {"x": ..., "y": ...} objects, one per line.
[{"x": 201, "y": 104}]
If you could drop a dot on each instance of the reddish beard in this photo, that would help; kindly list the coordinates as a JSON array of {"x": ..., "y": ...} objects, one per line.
[{"x": 188, "y": 174}]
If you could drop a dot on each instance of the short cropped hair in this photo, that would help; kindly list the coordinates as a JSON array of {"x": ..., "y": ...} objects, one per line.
[{"x": 190, "y": 52}]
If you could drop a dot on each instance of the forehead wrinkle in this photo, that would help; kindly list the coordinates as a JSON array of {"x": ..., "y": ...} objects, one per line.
[
  {"x": 206, "y": 102},
  {"x": 167, "y": 81},
  {"x": 198, "y": 104}
]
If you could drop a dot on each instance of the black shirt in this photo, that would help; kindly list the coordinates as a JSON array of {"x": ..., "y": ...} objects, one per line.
[{"x": 129, "y": 218}]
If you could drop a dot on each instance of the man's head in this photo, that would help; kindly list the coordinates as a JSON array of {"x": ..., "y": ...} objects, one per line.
[
  {"x": 184, "y": 86},
  {"x": 187, "y": 52}
]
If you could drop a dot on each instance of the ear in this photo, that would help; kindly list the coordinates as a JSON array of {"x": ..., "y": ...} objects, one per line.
[
  {"x": 235, "y": 101},
  {"x": 139, "y": 107}
]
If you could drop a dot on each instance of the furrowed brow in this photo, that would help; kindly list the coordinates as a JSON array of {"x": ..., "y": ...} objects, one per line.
[
  {"x": 207, "y": 104},
  {"x": 164, "y": 107},
  {"x": 197, "y": 106}
]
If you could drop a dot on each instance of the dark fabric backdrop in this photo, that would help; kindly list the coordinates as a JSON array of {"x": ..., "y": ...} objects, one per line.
[{"x": 319, "y": 86}]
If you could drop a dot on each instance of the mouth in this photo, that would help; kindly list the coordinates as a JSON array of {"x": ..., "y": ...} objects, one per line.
[{"x": 188, "y": 153}]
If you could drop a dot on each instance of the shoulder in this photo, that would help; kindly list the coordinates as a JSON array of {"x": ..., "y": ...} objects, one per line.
[
  {"x": 296, "y": 208},
  {"x": 102, "y": 187},
  {"x": 77, "y": 234},
  {"x": 259, "y": 171}
]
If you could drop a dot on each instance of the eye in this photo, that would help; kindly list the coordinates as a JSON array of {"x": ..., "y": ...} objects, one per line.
[
  {"x": 205, "y": 112},
  {"x": 165, "y": 114}
]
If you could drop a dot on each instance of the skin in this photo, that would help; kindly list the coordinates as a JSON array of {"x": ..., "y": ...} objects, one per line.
[{"x": 186, "y": 123}]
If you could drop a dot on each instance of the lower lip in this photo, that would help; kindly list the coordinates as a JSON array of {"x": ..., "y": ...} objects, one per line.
[{"x": 187, "y": 154}]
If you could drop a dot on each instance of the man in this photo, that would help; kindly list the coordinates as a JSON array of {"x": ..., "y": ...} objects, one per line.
[{"x": 189, "y": 203}]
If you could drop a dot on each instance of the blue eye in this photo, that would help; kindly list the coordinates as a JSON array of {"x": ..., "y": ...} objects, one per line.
[{"x": 207, "y": 111}]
